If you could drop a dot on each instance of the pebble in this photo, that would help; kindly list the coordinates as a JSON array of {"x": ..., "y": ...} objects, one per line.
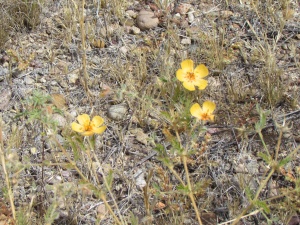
[
  {"x": 146, "y": 20},
  {"x": 186, "y": 41},
  {"x": 191, "y": 17},
  {"x": 117, "y": 112},
  {"x": 3, "y": 72},
  {"x": 135, "y": 30},
  {"x": 183, "y": 8},
  {"x": 5, "y": 96},
  {"x": 59, "y": 119},
  {"x": 73, "y": 77},
  {"x": 131, "y": 13},
  {"x": 123, "y": 50},
  {"x": 28, "y": 80},
  {"x": 53, "y": 83}
]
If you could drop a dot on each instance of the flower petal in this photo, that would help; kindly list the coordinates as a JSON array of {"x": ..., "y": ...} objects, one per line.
[
  {"x": 209, "y": 107},
  {"x": 83, "y": 119},
  {"x": 201, "y": 71},
  {"x": 87, "y": 133},
  {"x": 196, "y": 110},
  {"x": 201, "y": 83},
  {"x": 99, "y": 130},
  {"x": 97, "y": 121},
  {"x": 180, "y": 74},
  {"x": 188, "y": 85},
  {"x": 77, "y": 127},
  {"x": 187, "y": 65}
]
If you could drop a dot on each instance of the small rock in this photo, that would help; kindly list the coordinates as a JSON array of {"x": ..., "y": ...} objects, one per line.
[
  {"x": 135, "y": 30},
  {"x": 117, "y": 112},
  {"x": 191, "y": 17},
  {"x": 5, "y": 96},
  {"x": 131, "y": 13},
  {"x": 139, "y": 179},
  {"x": 127, "y": 22},
  {"x": 226, "y": 14},
  {"x": 73, "y": 77},
  {"x": 184, "y": 23},
  {"x": 28, "y": 80},
  {"x": 183, "y": 8},
  {"x": 59, "y": 120},
  {"x": 186, "y": 41},
  {"x": 53, "y": 83},
  {"x": 123, "y": 50},
  {"x": 3, "y": 72},
  {"x": 146, "y": 20},
  {"x": 58, "y": 100},
  {"x": 140, "y": 136}
]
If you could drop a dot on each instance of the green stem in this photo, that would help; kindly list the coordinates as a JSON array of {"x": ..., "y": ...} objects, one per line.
[
  {"x": 262, "y": 185},
  {"x": 190, "y": 189}
]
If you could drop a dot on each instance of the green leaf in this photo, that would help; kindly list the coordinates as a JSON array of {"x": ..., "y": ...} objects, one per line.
[
  {"x": 263, "y": 205},
  {"x": 163, "y": 79},
  {"x": 134, "y": 220},
  {"x": 51, "y": 214},
  {"x": 109, "y": 179},
  {"x": 284, "y": 161},
  {"x": 265, "y": 157},
  {"x": 183, "y": 189},
  {"x": 249, "y": 193}
]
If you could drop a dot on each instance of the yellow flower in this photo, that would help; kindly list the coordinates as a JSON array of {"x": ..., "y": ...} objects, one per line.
[
  {"x": 204, "y": 113},
  {"x": 192, "y": 77},
  {"x": 86, "y": 127}
]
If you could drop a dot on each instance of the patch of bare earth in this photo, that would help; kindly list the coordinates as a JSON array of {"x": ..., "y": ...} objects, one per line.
[{"x": 253, "y": 57}]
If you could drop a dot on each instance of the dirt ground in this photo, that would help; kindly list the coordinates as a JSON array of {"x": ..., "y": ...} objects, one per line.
[{"x": 251, "y": 49}]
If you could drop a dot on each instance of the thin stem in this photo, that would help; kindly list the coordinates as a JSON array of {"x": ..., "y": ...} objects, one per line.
[
  {"x": 262, "y": 185},
  {"x": 70, "y": 160},
  {"x": 191, "y": 196},
  {"x": 278, "y": 145},
  {"x": 190, "y": 189},
  {"x": 10, "y": 193},
  {"x": 82, "y": 31},
  {"x": 91, "y": 149}
]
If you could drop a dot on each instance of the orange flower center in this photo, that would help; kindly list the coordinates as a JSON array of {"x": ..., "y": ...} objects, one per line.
[
  {"x": 205, "y": 116},
  {"x": 88, "y": 127},
  {"x": 190, "y": 76}
]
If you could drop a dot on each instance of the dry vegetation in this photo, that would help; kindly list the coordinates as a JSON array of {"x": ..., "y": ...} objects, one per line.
[{"x": 155, "y": 163}]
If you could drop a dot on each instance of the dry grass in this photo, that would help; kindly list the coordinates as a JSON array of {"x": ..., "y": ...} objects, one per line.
[{"x": 243, "y": 168}]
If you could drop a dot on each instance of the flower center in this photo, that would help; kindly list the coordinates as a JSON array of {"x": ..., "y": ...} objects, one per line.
[
  {"x": 205, "y": 116},
  {"x": 88, "y": 127},
  {"x": 190, "y": 76}
]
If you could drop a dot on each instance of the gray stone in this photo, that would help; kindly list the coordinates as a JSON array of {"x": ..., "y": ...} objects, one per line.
[
  {"x": 146, "y": 20},
  {"x": 117, "y": 112}
]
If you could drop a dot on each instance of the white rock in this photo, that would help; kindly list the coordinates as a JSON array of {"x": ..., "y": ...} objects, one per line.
[
  {"x": 135, "y": 30},
  {"x": 28, "y": 80},
  {"x": 186, "y": 41},
  {"x": 123, "y": 50},
  {"x": 191, "y": 17},
  {"x": 73, "y": 77},
  {"x": 131, "y": 13},
  {"x": 53, "y": 83},
  {"x": 117, "y": 112},
  {"x": 139, "y": 179}
]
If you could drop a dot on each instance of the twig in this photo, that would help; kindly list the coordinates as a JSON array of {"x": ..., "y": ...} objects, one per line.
[{"x": 250, "y": 214}]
